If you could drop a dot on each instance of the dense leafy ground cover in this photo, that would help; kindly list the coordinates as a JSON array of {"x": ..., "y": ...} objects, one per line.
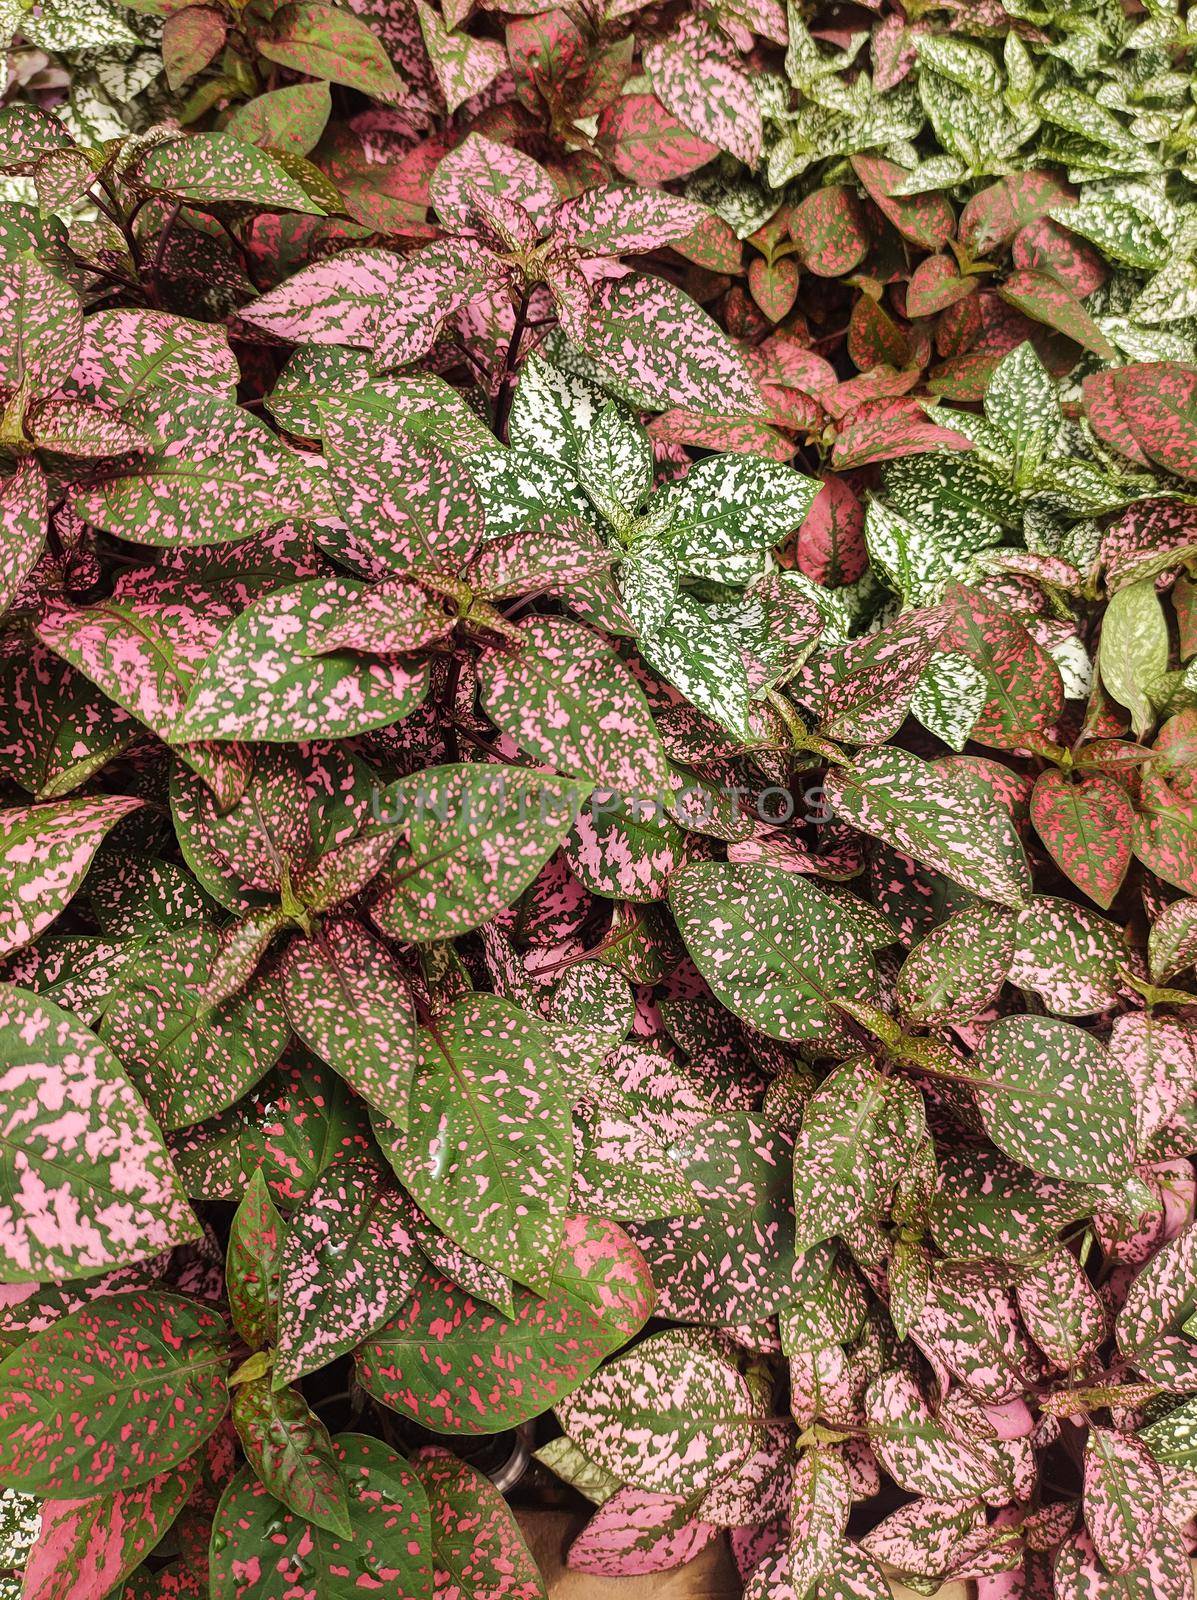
[{"x": 598, "y": 726}]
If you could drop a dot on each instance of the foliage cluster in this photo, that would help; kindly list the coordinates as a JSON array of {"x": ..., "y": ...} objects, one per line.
[{"x": 598, "y": 731}]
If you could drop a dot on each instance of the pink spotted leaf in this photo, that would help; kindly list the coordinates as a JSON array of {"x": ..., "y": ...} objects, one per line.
[
  {"x": 459, "y": 1365},
  {"x": 567, "y": 700},
  {"x": 488, "y": 1114},
  {"x": 42, "y": 322},
  {"x": 648, "y": 144},
  {"x": 820, "y": 1501},
  {"x": 332, "y": 302},
  {"x": 700, "y": 79},
  {"x": 85, "y": 1548},
  {"x": 389, "y": 1529},
  {"x": 1146, "y": 411},
  {"x": 1086, "y": 824},
  {"x": 943, "y": 816},
  {"x": 349, "y": 1262},
  {"x": 290, "y": 1451},
  {"x": 690, "y": 1412},
  {"x": 44, "y": 853},
  {"x": 959, "y": 968},
  {"x": 475, "y": 837},
  {"x": 1061, "y": 1309},
  {"x": 635, "y": 1533},
  {"x": 82, "y": 1199},
  {"x": 24, "y": 507},
  {"x": 409, "y": 503},
  {"x": 260, "y": 683},
  {"x": 345, "y": 999},
  {"x": 733, "y": 920},
  {"x": 192, "y": 1054},
  {"x": 681, "y": 357},
  {"x": 478, "y": 1549},
  {"x": 917, "y": 1449},
  {"x": 1068, "y": 955},
  {"x": 1124, "y": 1497},
  {"x": 99, "y": 1377},
  {"x": 1050, "y": 1096},
  {"x": 221, "y": 475}
]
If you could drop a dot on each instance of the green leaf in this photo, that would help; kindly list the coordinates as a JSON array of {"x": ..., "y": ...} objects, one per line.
[
  {"x": 737, "y": 922},
  {"x": 488, "y": 1153},
  {"x": 89, "y": 1183},
  {"x": 289, "y": 1449},
  {"x": 45, "y": 852},
  {"x": 959, "y": 968},
  {"x": 1021, "y": 400},
  {"x": 112, "y": 1395},
  {"x": 671, "y": 1416},
  {"x": 949, "y": 698},
  {"x": 703, "y": 660},
  {"x": 255, "y": 1246},
  {"x": 727, "y": 507},
  {"x": 348, "y": 1263},
  {"x": 553, "y": 411},
  {"x": 475, "y": 1537},
  {"x": 1121, "y": 231},
  {"x": 566, "y": 698},
  {"x": 1133, "y": 656},
  {"x": 290, "y": 119},
  {"x": 191, "y": 1058},
  {"x": 614, "y": 463},
  {"x": 914, "y": 560},
  {"x": 858, "y": 1133},
  {"x": 390, "y": 1537},
  {"x": 1172, "y": 1439}
]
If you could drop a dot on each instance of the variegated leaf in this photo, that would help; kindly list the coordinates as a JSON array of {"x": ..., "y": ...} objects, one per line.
[
  {"x": 388, "y": 1519},
  {"x": 458, "y": 1365},
  {"x": 564, "y": 697},
  {"x": 90, "y": 1184},
  {"x": 737, "y": 922},
  {"x": 349, "y": 1261},
  {"x": 672, "y": 1416},
  {"x": 487, "y": 1153},
  {"x": 144, "y": 1371},
  {"x": 1051, "y": 1097},
  {"x": 943, "y": 816},
  {"x": 345, "y": 999},
  {"x": 1124, "y": 1498}
]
